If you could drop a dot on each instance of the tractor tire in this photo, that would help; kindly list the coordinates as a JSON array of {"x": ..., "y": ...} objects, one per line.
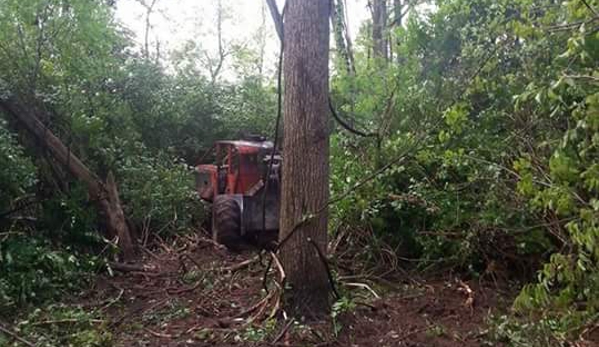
[{"x": 226, "y": 222}]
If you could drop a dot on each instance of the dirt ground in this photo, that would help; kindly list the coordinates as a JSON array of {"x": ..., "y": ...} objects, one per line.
[{"x": 194, "y": 293}]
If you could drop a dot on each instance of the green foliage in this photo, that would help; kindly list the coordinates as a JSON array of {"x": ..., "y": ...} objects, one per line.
[
  {"x": 17, "y": 173},
  {"x": 32, "y": 271},
  {"x": 343, "y": 305},
  {"x": 502, "y": 97},
  {"x": 61, "y": 325},
  {"x": 158, "y": 194}
]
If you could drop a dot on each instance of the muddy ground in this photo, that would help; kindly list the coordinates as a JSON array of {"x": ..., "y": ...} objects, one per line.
[{"x": 195, "y": 293}]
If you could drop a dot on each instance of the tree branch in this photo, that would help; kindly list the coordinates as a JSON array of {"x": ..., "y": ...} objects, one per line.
[
  {"x": 277, "y": 17},
  {"x": 590, "y": 8},
  {"x": 345, "y": 125}
]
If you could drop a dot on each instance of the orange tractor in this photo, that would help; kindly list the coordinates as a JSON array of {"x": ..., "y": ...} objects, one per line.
[{"x": 245, "y": 202}]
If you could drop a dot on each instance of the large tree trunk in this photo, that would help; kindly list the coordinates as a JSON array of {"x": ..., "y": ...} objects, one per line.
[
  {"x": 379, "y": 25},
  {"x": 104, "y": 195},
  {"x": 305, "y": 186}
]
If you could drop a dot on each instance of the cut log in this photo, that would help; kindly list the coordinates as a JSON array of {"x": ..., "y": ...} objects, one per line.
[{"x": 105, "y": 196}]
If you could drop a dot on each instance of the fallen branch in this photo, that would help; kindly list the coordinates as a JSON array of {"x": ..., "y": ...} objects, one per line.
[
  {"x": 279, "y": 267},
  {"x": 67, "y": 320},
  {"x": 254, "y": 307},
  {"x": 241, "y": 265},
  {"x": 113, "y": 301},
  {"x": 127, "y": 267},
  {"x": 364, "y": 286},
  {"x": 156, "y": 334},
  {"x": 283, "y": 332},
  {"x": 15, "y": 336}
]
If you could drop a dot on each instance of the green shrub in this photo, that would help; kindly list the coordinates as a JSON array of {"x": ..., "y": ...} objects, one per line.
[{"x": 32, "y": 271}]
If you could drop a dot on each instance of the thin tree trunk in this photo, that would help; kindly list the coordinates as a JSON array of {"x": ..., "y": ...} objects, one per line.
[
  {"x": 397, "y": 7},
  {"x": 149, "y": 9},
  {"x": 348, "y": 41},
  {"x": 398, "y": 14},
  {"x": 305, "y": 186},
  {"x": 104, "y": 195},
  {"x": 277, "y": 17},
  {"x": 379, "y": 25},
  {"x": 216, "y": 70},
  {"x": 340, "y": 34}
]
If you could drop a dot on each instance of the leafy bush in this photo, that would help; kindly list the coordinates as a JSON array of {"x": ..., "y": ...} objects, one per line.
[
  {"x": 159, "y": 194},
  {"x": 33, "y": 272},
  {"x": 17, "y": 172}
]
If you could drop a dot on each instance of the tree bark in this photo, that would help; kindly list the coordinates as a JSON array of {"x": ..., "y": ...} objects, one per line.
[
  {"x": 104, "y": 195},
  {"x": 340, "y": 34},
  {"x": 379, "y": 25},
  {"x": 305, "y": 181}
]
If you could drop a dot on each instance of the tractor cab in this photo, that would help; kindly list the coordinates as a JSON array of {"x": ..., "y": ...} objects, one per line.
[
  {"x": 239, "y": 168},
  {"x": 245, "y": 205}
]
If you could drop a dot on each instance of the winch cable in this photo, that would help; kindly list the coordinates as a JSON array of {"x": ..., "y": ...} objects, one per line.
[{"x": 276, "y": 135}]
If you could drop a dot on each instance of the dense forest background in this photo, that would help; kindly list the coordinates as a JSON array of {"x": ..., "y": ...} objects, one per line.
[{"x": 482, "y": 124}]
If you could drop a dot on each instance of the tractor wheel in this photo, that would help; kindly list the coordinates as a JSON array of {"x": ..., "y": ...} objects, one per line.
[{"x": 226, "y": 222}]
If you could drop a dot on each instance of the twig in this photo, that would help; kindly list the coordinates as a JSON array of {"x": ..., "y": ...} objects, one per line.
[
  {"x": 156, "y": 334},
  {"x": 241, "y": 265},
  {"x": 113, "y": 301},
  {"x": 67, "y": 320},
  {"x": 345, "y": 125},
  {"x": 190, "y": 289},
  {"x": 279, "y": 267},
  {"x": 584, "y": 77},
  {"x": 195, "y": 262},
  {"x": 414, "y": 332},
  {"x": 283, "y": 332},
  {"x": 362, "y": 285},
  {"x": 127, "y": 267},
  {"x": 590, "y": 8},
  {"x": 253, "y": 307},
  {"x": 16, "y": 337}
]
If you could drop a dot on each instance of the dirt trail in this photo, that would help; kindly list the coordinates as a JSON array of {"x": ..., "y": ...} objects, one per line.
[{"x": 194, "y": 293}]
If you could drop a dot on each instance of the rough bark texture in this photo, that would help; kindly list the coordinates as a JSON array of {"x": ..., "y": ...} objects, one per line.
[
  {"x": 379, "y": 24},
  {"x": 305, "y": 169},
  {"x": 104, "y": 195}
]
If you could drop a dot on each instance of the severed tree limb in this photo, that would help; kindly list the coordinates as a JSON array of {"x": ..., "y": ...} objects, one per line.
[{"x": 16, "y": 337}]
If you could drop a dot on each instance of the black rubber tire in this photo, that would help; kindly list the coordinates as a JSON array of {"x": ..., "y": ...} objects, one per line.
[{"x": 226, "y": 222}]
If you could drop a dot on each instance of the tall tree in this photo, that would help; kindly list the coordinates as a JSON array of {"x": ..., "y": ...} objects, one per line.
[
  {"x": 149, "y": 7},
  {"x": 379, "y": 25},
  {"x": 305, "y": 186},
  {"x": 342, "y": 39}
]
